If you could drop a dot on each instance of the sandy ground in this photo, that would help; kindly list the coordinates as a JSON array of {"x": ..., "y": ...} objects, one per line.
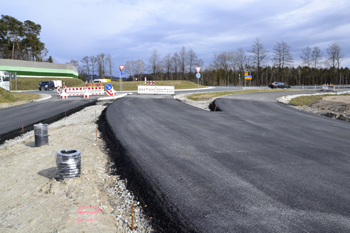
[
  {"x": 32, "y": 200},
  {"x": 340, "y": 98}
]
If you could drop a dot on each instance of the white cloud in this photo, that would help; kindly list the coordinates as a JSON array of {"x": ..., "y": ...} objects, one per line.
[{"x": 131, "y": 29}]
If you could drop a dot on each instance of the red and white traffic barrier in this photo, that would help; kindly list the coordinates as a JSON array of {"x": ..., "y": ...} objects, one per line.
[
  {"x": 86, "y": 95},
  {"x": 85, "y": 92},
  {"x": 63, "y": 96},
  {"x": 111, "y": 92},
  {"x": 149, "y": 82}
]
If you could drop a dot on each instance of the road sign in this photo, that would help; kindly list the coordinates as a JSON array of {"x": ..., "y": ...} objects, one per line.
[
  {"x": 247, "y": 78},
  {"x": 198, "y": 69},
  {"x": 121, "y": 67},
  {"x": 109, "y": 87},
  {"x": 198, "y": 75},
  {"x": 246, "y": 73},
  {"x": 121, "y": 73}
]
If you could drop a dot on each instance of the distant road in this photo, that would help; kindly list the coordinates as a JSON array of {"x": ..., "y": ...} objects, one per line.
[
  {"x": 256, "y": 166},
  {"x": 46, "y": 111}
]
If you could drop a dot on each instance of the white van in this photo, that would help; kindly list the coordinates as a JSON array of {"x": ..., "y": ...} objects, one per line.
[{"x": 5, "y": 80}]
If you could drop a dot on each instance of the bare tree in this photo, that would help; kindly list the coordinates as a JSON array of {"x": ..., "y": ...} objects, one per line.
[
  {"x": 335, "y": 54},
  {"x": 306, "y": 56},
  {"x": 176, "y": 61},
  {"x": 224, "y": 61},
  {"x": 241, "y": 59},
  {"x": 93, "y": 62},
  {"x": 75, "y": 63},
  {"x": 154, "y": 61},
  {"x": 259, "y": 55},
  {"x": 316, "y": 56},
  {"x": 140, "y": 68},
  {"x": 183, "y": 61},
  {"x": 130, "y": 68},
  {"x": 86, "y": 66},
  {"x": 168, "y": 65},
  {"x": 110, "y": 65},
  {"x": 192, "y": 60},
  {"x": 101, "y": 65},
  {"x": 282, "y": 56}
]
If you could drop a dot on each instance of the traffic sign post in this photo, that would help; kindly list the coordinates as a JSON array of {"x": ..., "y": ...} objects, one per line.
[
  {"x": 198, "y": 75},
  {"x": 121, "y": 68},
  {"x": 247, "y": 76}
]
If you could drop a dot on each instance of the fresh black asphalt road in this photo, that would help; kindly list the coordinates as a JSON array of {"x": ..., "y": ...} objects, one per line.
[
  {"x": 13, "y": 118},
  {"x": 255, "y": 166}
]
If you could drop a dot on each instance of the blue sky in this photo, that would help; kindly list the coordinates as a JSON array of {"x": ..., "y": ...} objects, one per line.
[{"x": 131, "y": 30}]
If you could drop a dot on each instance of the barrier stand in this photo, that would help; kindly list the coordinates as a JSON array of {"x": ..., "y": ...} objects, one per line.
[{"x": 85, "y": 92}]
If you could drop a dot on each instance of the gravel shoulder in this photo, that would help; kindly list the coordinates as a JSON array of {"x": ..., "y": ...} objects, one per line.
[
  {"x": 336, "y": 107},
  {"x": 32, "y": 200}
]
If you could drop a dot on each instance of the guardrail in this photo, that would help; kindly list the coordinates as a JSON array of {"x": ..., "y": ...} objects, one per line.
[{"x": 320, "y": 87}]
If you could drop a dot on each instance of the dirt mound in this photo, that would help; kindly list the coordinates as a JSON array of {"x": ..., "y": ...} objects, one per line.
[{"x": 336, "y": 107}]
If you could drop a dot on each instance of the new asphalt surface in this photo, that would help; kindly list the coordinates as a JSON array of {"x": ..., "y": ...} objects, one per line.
[
  {"x": 47, "y": 111},
  {"x": 255, "y": 166}
]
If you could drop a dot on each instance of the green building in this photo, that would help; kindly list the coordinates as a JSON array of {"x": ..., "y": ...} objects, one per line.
[{"x": 38, "y": 69}]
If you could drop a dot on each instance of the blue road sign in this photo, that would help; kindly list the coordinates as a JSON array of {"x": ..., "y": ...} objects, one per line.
[
  {"x": 109, "y": 87},
  {"x": 248, "y": 76},
  {"x": 121, "y": 73},
  {"x": 198, "y": 75}
]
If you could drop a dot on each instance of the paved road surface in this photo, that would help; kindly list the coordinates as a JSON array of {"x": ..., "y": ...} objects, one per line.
[
  {"x": 257, "y": 166},
  {"x": 29, "y": 114}
]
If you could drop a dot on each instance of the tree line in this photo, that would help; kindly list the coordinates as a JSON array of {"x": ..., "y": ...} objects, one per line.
[
  {"x": 91, "y": 66},
  {"x": 317, "y": 68},
  {"x": 21, "y": 40},
  {"x": 228, "y": 68}
]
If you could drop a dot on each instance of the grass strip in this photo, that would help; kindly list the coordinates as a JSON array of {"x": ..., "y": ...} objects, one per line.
[
  {"x": 306, "y": 100},
  {"x": 132, "y": 85},
  {"x": 209, "y": 95},
  {"x": 11, "y": 97},
  {"x": 33, "y": 83}
]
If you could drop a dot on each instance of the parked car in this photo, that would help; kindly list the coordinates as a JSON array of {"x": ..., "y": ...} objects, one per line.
[
  {"x": 279, "y": 85},
  {"x": 47, "y": 85}
]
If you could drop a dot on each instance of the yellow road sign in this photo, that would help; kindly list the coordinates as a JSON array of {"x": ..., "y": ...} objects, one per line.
[
  {"x": 245, "y": 73},
  {"x": 248, "y": 78}
]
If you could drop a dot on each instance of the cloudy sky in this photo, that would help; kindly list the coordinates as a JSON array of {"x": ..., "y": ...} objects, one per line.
[{"x": 131, "y": 29}]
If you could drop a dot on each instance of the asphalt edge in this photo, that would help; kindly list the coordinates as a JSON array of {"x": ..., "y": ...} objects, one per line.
[
  {"x": 17, "y": 132},
  {"x": 165, "y": 216}
]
